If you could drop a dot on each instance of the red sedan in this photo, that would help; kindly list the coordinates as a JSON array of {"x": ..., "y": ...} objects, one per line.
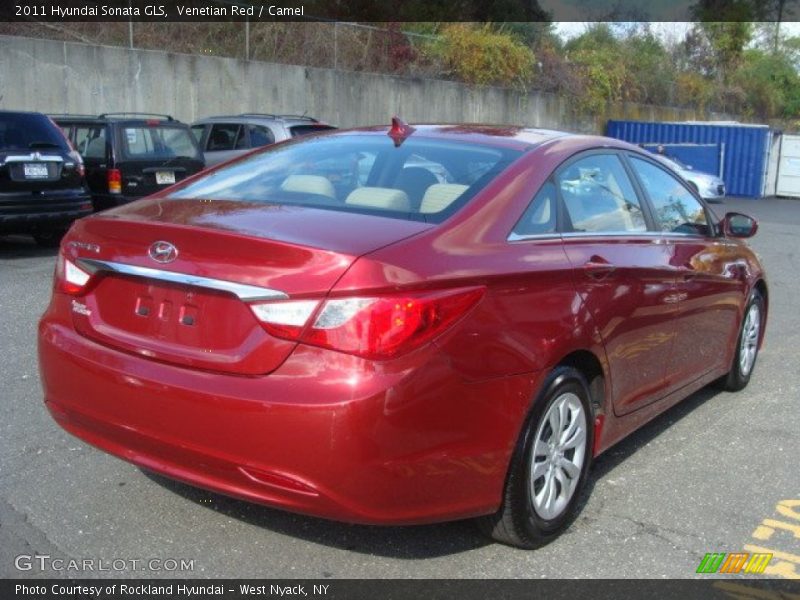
[{"x": 400, "y": 325}]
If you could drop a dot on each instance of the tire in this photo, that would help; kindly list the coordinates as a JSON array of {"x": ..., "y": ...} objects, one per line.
[
  {"x": 49, "y": 238},
  {"x": 744, "y": 360},
  {"x": 528, "y": 518}
]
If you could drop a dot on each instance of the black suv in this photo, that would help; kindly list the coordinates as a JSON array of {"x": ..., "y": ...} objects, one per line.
[
  {"x": 130, "y": 155},
  {"x": 42, "y": 189}
]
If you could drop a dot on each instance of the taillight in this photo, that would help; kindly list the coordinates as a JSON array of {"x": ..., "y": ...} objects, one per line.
[
  {"x": 114, "y": 181},
  {"x": 374, "y": 327},
  {"x": 70, "y": 278},
  {"x": 285, "y": 319}
]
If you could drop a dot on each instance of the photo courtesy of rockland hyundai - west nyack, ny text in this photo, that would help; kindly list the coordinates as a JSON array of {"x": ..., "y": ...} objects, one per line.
[{"x": 420, "y": 300}]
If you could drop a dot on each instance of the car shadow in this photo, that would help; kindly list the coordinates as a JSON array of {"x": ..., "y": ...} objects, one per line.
[
  {"x": 417, "y": 541},
  {"x": 623, "y": 450},
  {"x": 22, "y": 246},
  {"x": 406, "y": 542}
]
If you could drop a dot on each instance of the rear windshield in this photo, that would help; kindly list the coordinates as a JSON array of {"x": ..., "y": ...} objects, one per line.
[
  {"x": 29, "y": 132},
  {"x": 162, "y": 141},
  {"x": 422, "y": 179},
  {"x": 298, "y": 130}
]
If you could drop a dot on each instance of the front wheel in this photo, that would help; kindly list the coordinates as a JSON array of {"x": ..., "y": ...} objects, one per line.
[
  {"x": 747, "y": 345},
  {"x": 549, "y": 467}
]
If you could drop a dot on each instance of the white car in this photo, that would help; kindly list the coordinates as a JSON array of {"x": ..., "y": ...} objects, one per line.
[{"x": 710, "y": 187}]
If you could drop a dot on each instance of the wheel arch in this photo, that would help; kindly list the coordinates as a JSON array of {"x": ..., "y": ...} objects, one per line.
[
  {"x": 761, "y": 286},
  {"x": 592, "y": 369}
]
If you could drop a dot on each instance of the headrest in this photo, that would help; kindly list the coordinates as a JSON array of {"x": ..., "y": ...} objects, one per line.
[
  {"x": 439, "y": 196},
  {"x": 309, "y": 184},
  {"x": 377, "y": 197}
]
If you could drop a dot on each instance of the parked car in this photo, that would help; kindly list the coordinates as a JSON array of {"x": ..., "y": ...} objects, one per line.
[
  {"x": 42, "y": 187},
  {"x": 131, "y": 155},
  {"x": 710, "y": 187},
  {"x": 226, "y": 137},
  {"x": 344, "y": 352}
]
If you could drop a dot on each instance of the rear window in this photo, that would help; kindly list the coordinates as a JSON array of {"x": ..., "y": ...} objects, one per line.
[
  {"x": 26, "y": 131},
  {"x": 147, "y": 141},
  {"x": 422, "y": 179},
  {"x": 90, "y": 140},
  {"x": 298, "y": 130}
]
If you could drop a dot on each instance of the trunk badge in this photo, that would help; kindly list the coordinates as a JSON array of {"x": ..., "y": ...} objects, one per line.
[{"x": 163, "y": 252}]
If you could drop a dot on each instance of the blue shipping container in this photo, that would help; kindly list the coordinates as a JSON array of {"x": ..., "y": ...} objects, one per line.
[{"x": 742, "y": 148}]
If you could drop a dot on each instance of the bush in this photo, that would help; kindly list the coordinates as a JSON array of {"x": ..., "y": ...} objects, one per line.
[{"x": 481, "y": 55}]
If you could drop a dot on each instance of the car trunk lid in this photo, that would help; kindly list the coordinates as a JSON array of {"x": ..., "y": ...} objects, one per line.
[{"x": 193, "y": 309}]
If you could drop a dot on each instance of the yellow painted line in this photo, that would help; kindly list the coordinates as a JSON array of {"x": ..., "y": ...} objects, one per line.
[
  {"x": 763, "y": 533},
  {"x": 795, "y": 529},
  {"x": 785, "y": 507}
]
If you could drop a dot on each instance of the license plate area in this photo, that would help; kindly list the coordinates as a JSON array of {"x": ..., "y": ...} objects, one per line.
[
  {"x": 178, "y": 324},
  {"x": 165, "y": 177},
  {"x": 35, "y": 171}
]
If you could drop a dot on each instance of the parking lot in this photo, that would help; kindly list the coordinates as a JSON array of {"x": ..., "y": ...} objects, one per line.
[{"x": 717, "y": 473}]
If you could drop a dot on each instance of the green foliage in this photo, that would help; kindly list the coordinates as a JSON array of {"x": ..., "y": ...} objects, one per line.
[
  {"x": 728, "y": 41},
  {"x": 770, "y": 83},
  {"x": 611, "y": 69},
  {"x": 482, "y": 55}
]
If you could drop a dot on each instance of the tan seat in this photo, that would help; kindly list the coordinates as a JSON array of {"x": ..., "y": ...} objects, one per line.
[
  {"x": 309, "y": 184},
  {"x": 378, "y": 197},
  {"x": 439, "y": 196}
]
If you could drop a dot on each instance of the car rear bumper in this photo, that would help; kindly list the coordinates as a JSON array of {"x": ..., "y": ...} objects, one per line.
[
  {"x": 326, "y": 434},
  {"x": 26, "y": 212}
]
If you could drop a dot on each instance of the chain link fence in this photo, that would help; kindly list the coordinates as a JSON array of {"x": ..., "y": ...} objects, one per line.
[{"x": 380, "y": 48}]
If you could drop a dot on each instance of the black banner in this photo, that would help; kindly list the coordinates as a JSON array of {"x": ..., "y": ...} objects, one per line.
[
  {"x": 397, "y": 10},
  {"x": 414, "y": 589}
]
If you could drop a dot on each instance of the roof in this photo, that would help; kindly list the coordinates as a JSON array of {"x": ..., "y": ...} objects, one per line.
[
  {"x": 260, "y": 117},
  {"x": 512, "y": 136},
  {"x": 114, "y": 116}
]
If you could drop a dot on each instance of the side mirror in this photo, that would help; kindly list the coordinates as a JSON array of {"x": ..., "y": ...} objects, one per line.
[{"x": 738, "y": 225}]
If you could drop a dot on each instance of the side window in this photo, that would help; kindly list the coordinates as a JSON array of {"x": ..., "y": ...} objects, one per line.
[
  {"x": 223, "y": 136},
  {"x": 176, "y": 142},
  {"x": 241, "y": 139},
  {"x": 91, "y": 142},
  {"x": 260, "y": 136},
  {"x": 599, "y": 197},
  {"x": 197, "y": 132},
  {"x": 676, "y": 210},
  {"x": 540, "y": 216}
]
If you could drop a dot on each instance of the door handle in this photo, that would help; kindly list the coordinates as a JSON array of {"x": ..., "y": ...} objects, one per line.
[
  {"x": 598, "y": 268},
  {"x": 687, "y": 274}
]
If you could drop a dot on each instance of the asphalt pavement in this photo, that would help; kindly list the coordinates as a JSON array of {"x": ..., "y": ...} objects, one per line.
[{"x": 717, "y": 473}]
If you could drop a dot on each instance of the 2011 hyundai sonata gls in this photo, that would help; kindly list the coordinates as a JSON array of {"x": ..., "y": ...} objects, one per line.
[{"x": 331, "y": 327}]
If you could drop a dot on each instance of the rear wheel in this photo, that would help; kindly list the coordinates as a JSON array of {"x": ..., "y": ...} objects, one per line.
[
  {"x": 549, "y": 467},
  {"x": 747, "y": 345}
]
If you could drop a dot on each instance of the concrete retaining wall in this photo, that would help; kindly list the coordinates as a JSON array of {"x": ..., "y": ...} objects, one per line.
[{"x": 58, "y": 77}]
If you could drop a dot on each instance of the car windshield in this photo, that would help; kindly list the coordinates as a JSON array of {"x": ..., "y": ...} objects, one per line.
[
  {"x": 26, "y": 131},
  {"x": 420, "y": 179},
  {"x": 147, "y": 142}
]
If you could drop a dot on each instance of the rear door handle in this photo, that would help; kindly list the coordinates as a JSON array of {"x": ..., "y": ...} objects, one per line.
[{"x": 598, "y": 268}]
